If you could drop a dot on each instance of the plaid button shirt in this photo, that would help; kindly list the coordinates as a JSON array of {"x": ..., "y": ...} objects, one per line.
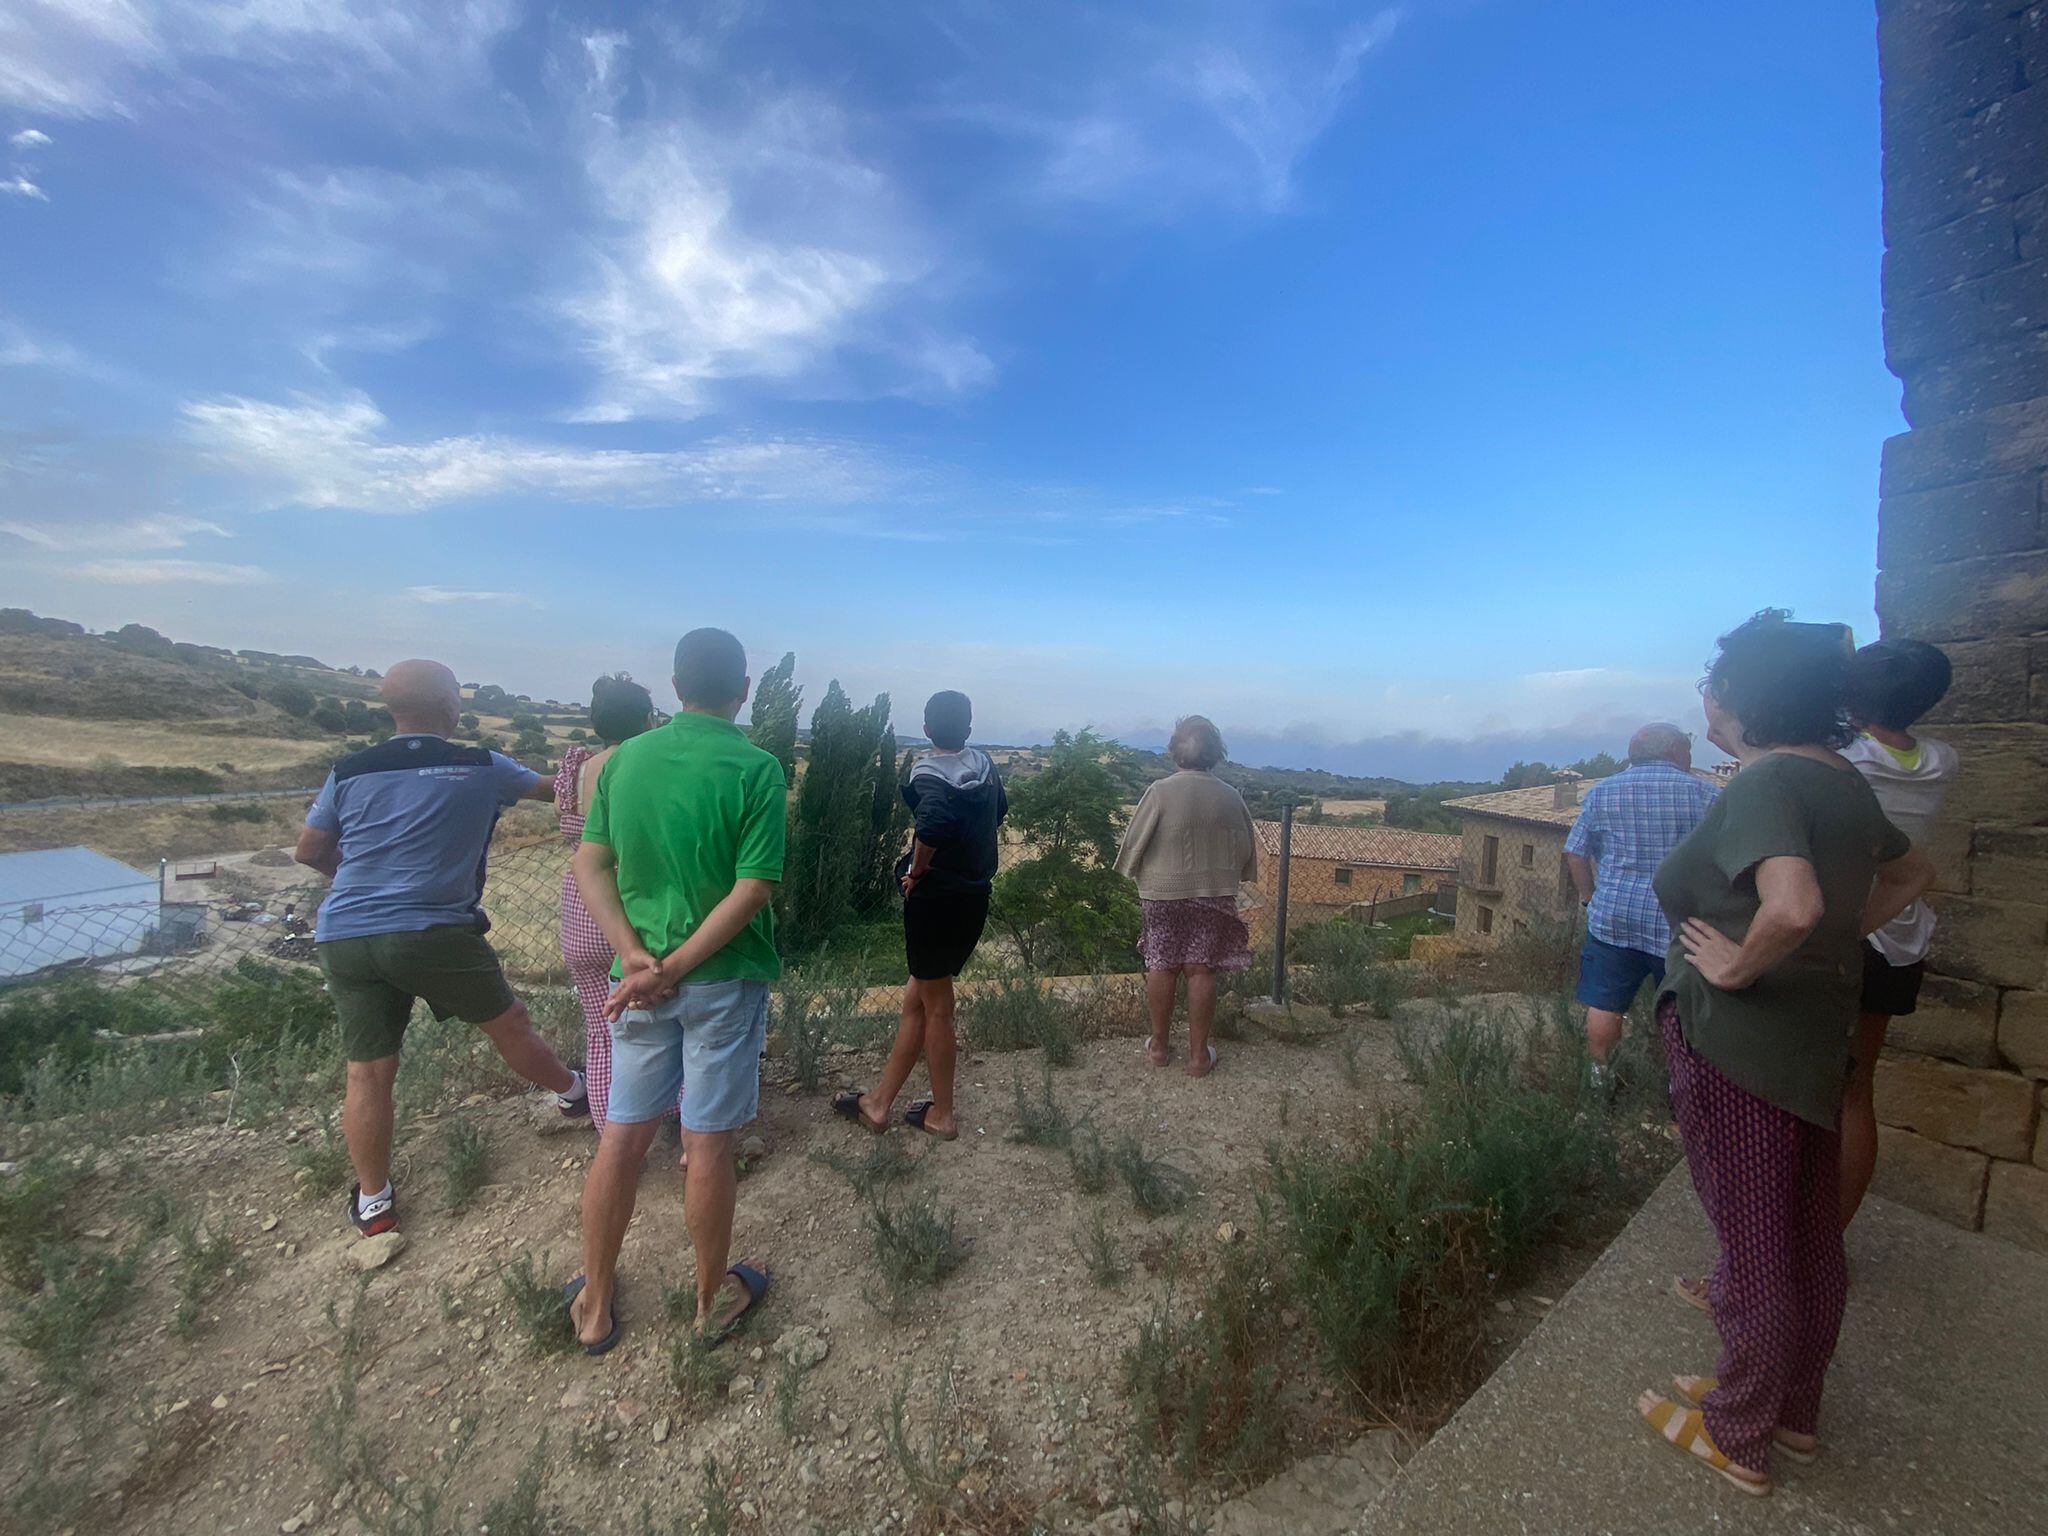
[{"x": 1627, "y": 825}]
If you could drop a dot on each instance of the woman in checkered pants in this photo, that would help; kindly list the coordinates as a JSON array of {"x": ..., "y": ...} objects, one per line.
[{"x": 619, "y": 709}]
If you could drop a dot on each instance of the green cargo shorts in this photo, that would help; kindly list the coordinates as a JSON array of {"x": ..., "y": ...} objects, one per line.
[{"x": 373, "y": 981}]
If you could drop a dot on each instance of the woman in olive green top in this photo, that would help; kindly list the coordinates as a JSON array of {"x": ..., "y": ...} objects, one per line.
[{"x": 1769, "y": 900}]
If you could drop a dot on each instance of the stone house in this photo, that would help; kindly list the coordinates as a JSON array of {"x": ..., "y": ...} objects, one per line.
[
  {"x": 1334, "y": 868},
  {"x": 1511, "y": 870}
]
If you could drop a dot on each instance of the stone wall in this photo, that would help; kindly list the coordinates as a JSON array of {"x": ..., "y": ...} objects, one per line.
[
  {"x": 1963, "y": 558},
  {"x": 1519, "y": 893}
]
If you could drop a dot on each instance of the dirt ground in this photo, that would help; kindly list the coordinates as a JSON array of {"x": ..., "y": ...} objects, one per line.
[
  {"x": 139, "y": 835},
  {"x": 213, "y": 1434}
]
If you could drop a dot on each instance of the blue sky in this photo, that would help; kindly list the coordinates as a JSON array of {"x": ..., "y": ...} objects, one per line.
[{"x": 1410, "y": 387}]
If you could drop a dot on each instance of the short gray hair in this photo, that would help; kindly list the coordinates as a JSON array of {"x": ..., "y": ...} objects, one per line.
[{"x": 1658, "y": 742}]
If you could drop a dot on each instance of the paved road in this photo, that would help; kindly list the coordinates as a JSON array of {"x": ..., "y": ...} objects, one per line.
[{"x": 83, "y": 803}]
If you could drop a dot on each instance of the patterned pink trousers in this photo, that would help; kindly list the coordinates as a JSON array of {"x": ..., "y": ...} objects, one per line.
[{"x": 1771, "y": 1186}]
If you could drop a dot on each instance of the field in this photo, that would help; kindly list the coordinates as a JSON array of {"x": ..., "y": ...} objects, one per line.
[
  {"x": 1353, "y": 807},
  {"x": 50, "y": 741},
  {"x": 139, "y": 835},
  {"x": 247, "y": 1375}
]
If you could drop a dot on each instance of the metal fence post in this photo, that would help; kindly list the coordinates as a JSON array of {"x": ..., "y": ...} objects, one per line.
[{"x": 1280, "y": 905}]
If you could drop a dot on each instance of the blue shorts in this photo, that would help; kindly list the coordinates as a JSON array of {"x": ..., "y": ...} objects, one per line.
[
  {"x": 1610, "y": 976},
  {"x": 704, "y": 1043}
]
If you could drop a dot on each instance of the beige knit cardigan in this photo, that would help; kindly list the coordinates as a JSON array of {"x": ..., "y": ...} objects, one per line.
[{"x": 1190, "y": 836}]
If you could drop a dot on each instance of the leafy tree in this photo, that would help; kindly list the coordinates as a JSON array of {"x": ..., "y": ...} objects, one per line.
[
  {"x": 1600, "y": 765},
  {"x": 1065, "y": 908},
  {"x": 777, "y": 700},
  {"x": 492, "y": 699},
  {"x": 838, "y": 823},
  {"x": 531, "y": 739},
  {"x": 142, "y": 640},
  {"x": 293, "y": 697},
  {"x": 577, "y": 733},
  {"x": 468, "y": 722},
  {"x": 1424, "y": 812},
  {"x": 329, "y": 718}
]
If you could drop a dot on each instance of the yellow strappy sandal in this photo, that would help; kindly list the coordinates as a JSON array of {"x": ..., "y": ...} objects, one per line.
[
  {"x": 1684, "y": 1428},
  {"x": 1694, "y": 1388}
]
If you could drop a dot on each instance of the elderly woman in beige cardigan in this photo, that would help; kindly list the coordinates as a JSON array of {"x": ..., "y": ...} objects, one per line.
[{"x": 1189, "y": 846}]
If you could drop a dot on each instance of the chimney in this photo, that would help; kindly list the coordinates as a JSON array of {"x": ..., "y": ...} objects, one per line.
[{"x": 1564, "y": 793}]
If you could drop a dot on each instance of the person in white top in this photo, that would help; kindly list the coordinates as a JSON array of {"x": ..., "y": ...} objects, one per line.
[{"x": 1892, "y": 684}]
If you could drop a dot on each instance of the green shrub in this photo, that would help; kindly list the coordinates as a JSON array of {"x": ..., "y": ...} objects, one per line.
[
  {"x": 1393, "y": 1247},
  {"x": 1041, "y": 1121},
  {"x": 62, "y": 1327},
  {"x": 32, "y": 1217},
  {"x": 1089, "y": 1158},
  {"x": 465, "y": 1162},
  {"x": 818, "y": 1006},
  {"x": 1098, "y": 1252},
  {"x": 203, "y": 1259},
  {"x": 260, "y": 1009},
  {"x": 1157, "y": 1188},
  {"x": 1205, "y": 1383},
  {"x": 1018, "y": 1012},
  {"x": 886, "y": 1161},
  {"x": 916, "y": 1245},
  {"x": 1343, "y": 967},
  {"x": 536, "y": 1307}
]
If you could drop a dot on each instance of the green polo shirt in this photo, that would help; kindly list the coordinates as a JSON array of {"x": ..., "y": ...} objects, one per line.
[{"x": 687, "y": 810}]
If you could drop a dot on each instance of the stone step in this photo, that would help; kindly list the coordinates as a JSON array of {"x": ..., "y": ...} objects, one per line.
[
  {"x": 1320, "y": 1496},
  {"x": 1932, "y": 1422}
]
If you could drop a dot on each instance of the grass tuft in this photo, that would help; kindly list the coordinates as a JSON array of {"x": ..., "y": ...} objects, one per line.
[
  {"x": 1041, "y": 1120},
  {"x": 63, "y": 1327},
  {"x": 916, "y": 1245},
  {"x": 887, "y": 1161},
  {"x": 697, "y": 1371},
  {"x": 1089, "y": 1158},
  {"x": 1099, "y": 1253},
  {"x": 465, "y": 1162},
  {"x": 323, "y": 1157},
  {"x": 203, "y": 1261},
  {"x": 1157, "y": 1188},
  {"x": 517, "y": 1511},
  {"x": 536, "y": 1306},
  {"x": 32, "y": 1217}
]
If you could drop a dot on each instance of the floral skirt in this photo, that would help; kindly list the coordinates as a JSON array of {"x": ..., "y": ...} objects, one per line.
[{"x": 1199, "y": 930}]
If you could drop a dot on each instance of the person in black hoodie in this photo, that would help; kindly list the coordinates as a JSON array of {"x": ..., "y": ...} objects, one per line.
[{"x": 956, "y": 798}]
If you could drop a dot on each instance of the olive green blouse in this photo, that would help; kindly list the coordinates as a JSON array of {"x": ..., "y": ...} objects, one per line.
[{"x": 1787, "y": 1037}]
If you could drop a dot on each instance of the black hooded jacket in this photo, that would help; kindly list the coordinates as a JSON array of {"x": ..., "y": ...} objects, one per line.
[{"x": 957, "y": 802}]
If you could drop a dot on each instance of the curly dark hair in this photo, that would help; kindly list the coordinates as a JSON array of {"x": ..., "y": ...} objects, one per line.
[
  {"x": 1786, "y": 683},
  {"x": 619, "y": 708}
]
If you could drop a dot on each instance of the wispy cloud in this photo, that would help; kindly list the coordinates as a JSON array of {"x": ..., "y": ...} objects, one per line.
[
  {"x": 19, "y": 185},
  {"x": 106, "y": 58},
  {"x": 164, "y": 573},
  {"x": 143, "y": 533},
  {"x": 761, "y": 248},
  {"x": 29, "y": 138},
  {"x": 438, "y": 595},
  {"x": 336, "y": 452}
]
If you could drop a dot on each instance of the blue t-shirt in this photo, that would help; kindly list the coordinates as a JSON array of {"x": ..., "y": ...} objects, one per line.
[{"x": 415, "y": 816}]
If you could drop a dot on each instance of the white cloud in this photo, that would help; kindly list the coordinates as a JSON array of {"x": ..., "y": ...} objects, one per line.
[
  {"x": 437, "y": 595},
  {"x": 1217, "y": 106},
  {"x": 143, "y": 533},
  {"x": 20, "y": 186},
  {"x": 156, "y": 573},
  {"x": 30, "y": 138},
  {"x": 334, "y": 452},
  {"x": 102, "y": 58},
  {"x": 762, "y": 248}
]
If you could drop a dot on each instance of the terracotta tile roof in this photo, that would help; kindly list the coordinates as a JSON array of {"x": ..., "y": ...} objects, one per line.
[
  {"x": 1537, "y": 803},
  {"x": 1387, "y": 847}
]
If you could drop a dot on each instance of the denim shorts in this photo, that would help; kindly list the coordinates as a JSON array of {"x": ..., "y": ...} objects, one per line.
[
  {"x": 1610, "y": 976},
  {"x": 705, "y": 1042}
]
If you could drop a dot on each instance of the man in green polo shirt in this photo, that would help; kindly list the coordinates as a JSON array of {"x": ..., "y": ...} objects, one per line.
[{"x": 681, "y": 853}]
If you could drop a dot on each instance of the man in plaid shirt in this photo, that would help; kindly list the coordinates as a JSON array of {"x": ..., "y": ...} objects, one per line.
[{"x": 1625, "y": 828}]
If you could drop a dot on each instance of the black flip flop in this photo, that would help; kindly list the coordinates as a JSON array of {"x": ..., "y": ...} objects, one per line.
[
  {"x": 569, "y": 1294},
  {"x": 846, "y": 1104},
  {"x": 914, "y": 1118},
  {"x": 756, "y": 1282}
]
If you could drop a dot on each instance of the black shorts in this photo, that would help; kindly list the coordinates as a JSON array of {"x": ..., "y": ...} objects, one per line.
[
  {"x": 1890, "y": 989},
  {"x": 941, "y": 929}
]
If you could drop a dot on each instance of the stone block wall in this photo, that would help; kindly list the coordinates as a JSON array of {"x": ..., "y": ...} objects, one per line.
[{"x": 1963, "y": 562}]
